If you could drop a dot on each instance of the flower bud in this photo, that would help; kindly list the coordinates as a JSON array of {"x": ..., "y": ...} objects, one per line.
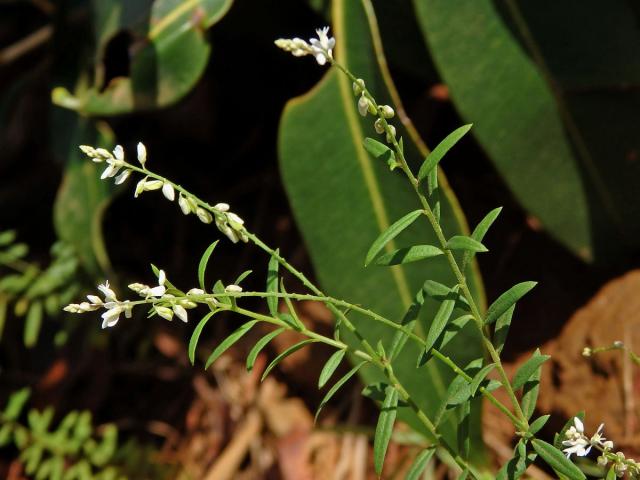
[
  {"x": 392, "y": 134},
  {"x": 164, "y": 312},
  {"x": 184, "y": 205},
  {"x": 168, "y": 191},
  {"x": 223, "y": 207},
  {"x": 386, "y": 111},
  {"x": 142, "y": 153},
  {"x": 378, "y": 125},
  {"x": 358, "y": 86},
  {"x": 203, "y": 215},
  {"x": 363, "y": 105}
]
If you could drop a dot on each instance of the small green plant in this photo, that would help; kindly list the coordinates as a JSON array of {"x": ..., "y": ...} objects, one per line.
[
  {"x": 33, "y": 291},
  {"x": 457, "y": 308}
]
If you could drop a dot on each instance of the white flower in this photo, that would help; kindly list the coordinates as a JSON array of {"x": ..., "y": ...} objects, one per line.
[
  {"x": 158, "y": 291},
  {"x": 110, "y": 171},
  {"x": 164, "y": 312},
  {"x": 391, "y": 134},
  {"x": 195, "y": 291},
  {"x": 580, "y": 447},
  {"x": 140, "y": 187},
  {"x": 180, "y": 312},
  {"x": 94, "y": 299},
  {"x": 322, "y": 46},
  {"x": 233, "y": 288},
  {"x": 203, "y": 215},
  {"x": 111, "y": 316},
  {"x": 184, "y": 205},
  {"x": 223, "y": 207},
  {"x": 168, "y": 191},
  {"x": 363, "y": 105},
  {"x": 153, "y": 185},
  {"x": 119, "y": 153},
  {"x": 162, "y": 277},
  {"x": 235, "y": 218},
  {"x": 598, "y": 437},
  {"x": 109, "y": 295},
  {"x": 142, "y": 154},
  {"x": 387, "y": 112},
  {"x": 120, "y": 179},
  {"x": 379, "y": 126}
]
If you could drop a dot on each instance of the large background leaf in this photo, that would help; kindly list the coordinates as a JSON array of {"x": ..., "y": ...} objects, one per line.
[
  {"x": 343, "y": 199},
  {"x": 168, "y": 48},
  {"x": 551, "y": 106}
]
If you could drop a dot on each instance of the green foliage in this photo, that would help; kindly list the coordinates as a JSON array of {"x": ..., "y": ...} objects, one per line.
[
  {"x": 384, "y": 427},
  {"x": 32, "y": 291},
  {"x": 556, "y": 460},
  {"x": 438, "y": 153},
  {"x": 74, "y": 449}
]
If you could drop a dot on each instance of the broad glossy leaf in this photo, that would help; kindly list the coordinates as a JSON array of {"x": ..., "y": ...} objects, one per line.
[
  {"x": 547, "y": 100},
  {"x": 82, "y": 199},
  {"x": 343, "y": 199},
  {"x": 384, "y": 428},
  {"x": 169, "y": 54}
]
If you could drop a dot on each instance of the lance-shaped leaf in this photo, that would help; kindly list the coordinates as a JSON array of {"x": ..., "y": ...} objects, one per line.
[
  {"x": 439, "y": 323},
  {"x": 330, "y": 367},
  {"x": 272, "y": 283},
  {"x": 517, "y": 465},
  {"x": 230, "y": 340},
  {"x": 441, "y": 149},
  {"x": 390, "y": 233},
  {"x": 344, "y": 202},
  {"x": 195, "y": 336},
  {"x": 502, "y": 328},
  {"x": 202, "y": 265},
  {"x": 505, "y": 301},
  {"x": 336, "y": 386},
  {"x": 556, "y": 460},
  {"x": 32, "y": 324},
  {"x": 538, "y": 423},
  {"x": 384, "y": 428},
  {"x": 420, "y": 464},
  {"x": 408, "y": 255},
  {"x": 259, "y": 346},
  {"x": 468, "y": 244},
  {"x": 527, "y": 369},
  {"x": 285, "y": 354},
  {"x": 530, "y": 391},
  {"x": 479, "y": 232},
  {"x": 380, "y": 152},
  {"x": 409, "y": 322}
]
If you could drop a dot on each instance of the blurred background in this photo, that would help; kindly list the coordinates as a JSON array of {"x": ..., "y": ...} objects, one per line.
[{"x": 552, "y": 89}]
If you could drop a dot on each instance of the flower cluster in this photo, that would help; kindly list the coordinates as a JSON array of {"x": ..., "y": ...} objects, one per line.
[
  {"x": 321, "y": 48},
  {"x": 579, "y": 444},
  {"x": 163, "y": 303},
  {"x": 230, "y": 224}
]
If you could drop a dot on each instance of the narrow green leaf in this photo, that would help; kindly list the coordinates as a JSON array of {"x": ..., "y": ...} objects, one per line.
[
  {"x": 420, "y": 464},
  {"x": 384, "y": 428},
  {"x": 479, "y": 232},
  {"x": 297, "y": 323},
  {"x": 227, "y": 342},
  {"x": 501, "y": 330},
  {"x": 453, "y": 328},
  {"x": 611, "y": 474},
  {"x": 409, "y": 322},
  {"x": 242, "y": 276},
  {"x": 527, "y": 369},
  {"x": 441, "y": 149},
  {"x": 259, "y": 346},
  {"x": 202, "y": 266},
  {"x": 408, "y": 255},
  {"x": 506, "y": 300},
  {"x": 538, "y": 423},
  {"x": 530, "y": 392},
  {"x": 377, "y": 149},
  {"x": 15, "y": 404},
  {"x": 517, "y": 465},
  {"x": 7, "y": 237},
  {"x": 479, "y": 377},
  {"x": 464, "y": 442},
  {"x": 390, "y": 233},
  {"x": 440, "y": 320},
  {"x": 462, "y": 242},
  {"x": 32, "y": 325},
  {"x": 330, "y": 367},
  {"x": 336, "y": 386},
  {"x": 218, "y": 288},
  {"x": 285, "y": 354},
  {"x": 556, "y": 460},
  {"x": 195, "y": 336},
  {"x": 272, "y": 284}
]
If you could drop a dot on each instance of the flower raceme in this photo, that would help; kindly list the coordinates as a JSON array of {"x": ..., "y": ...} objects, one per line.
[
  {"x": 321, "y": 48},
  {"x": 229, "y": 223}
]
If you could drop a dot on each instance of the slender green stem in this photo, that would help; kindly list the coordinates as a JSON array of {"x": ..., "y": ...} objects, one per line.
[{"x": 478, "y": 318}]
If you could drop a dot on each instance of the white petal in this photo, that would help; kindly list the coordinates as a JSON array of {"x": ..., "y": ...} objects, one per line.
[
  {"x": 120, "y": 179},
  {"x": 184, "y": 205},
  {"x": 140, "y": 187},
  {"x": 94, "y": 299},
  {"x": 119, "y": 152},
  {"x": 162, "y": 277},
  {"x": 142, "y": 153},
  {"x": 153, "y": 185},
  {"x": 223, "y": 207},
  {"x": 235, "y": 218},
  {"x": 203, "y": 215},
  {"x": 168, "y": 192},
  {"x": 579, "y": 425},
  {"x": 180, "y": 312},
  {"x": 195, "y": 291},
  {"x": 111, "y": 317},
  {"x": 233, "y": 288},
  {"x": 157, "y": 291},
  {"x": 110, "y": 171},
  {"x": 165, "y": 312}
]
